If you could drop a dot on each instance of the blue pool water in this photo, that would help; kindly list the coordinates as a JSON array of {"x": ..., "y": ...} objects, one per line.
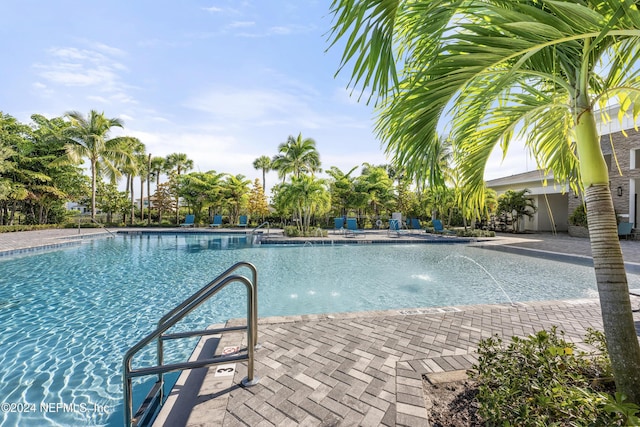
[{"x": 69, "y": 315}]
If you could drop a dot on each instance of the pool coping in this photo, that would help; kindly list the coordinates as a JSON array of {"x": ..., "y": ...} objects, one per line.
[
  {"x": 273, "y": 238},
  {"x": 410, "y": 408}
]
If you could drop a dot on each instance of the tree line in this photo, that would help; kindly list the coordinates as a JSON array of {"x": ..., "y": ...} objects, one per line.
[{"x": 41, "y": 169}]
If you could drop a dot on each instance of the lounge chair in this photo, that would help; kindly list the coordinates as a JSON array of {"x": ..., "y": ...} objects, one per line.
[
  {"x": 439, "y": 229},
  {"x": 624, "y": 229},
  {"x": 395, "y": 227},
  {"x": 352, "y": 228},
  {"x": 338, "y": 225},
  {"x": 188, "y": 221},
  {"x": 415, "y": 224},
  {"x": 243, "y": 221},
  {"x": 217, "y": 221}
]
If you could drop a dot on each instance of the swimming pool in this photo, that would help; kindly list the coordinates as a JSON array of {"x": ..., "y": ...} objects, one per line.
[{"x": 69, "y": 315}]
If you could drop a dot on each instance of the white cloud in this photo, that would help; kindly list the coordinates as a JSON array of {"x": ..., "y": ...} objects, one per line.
[
  {"x": 96, "y": 98},
  {"x": 244, "y": 105},
  {"x": 212, "y": 9},
  {"x": 69, "y": 74},
  {"x": 280, "y": 30},
  {"x": 97, "y": 73},
  {"x": 241, "y": 24}
]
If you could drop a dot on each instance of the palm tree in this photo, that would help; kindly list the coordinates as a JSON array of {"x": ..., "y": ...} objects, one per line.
[
  {"x": 296, "y": 156},
  {"x": 342, "y": 189},
  {"x": 142, "y": 159},
  {"x": 200, "y": 190},
  {"x": 306, "y": 196},
  {"x": 133, "y": 166},
  {"x": 235, "y": 190},
  {"x": 157, "y": 166},
  {"x": 263, "y": 163},
  {"x": 180, "y": 163},
  {"x": 538, "y": 70},
  {"x": 88, "y": 138}
]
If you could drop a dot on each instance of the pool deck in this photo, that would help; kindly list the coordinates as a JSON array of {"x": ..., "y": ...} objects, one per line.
[{"x": 355, "y": 369}]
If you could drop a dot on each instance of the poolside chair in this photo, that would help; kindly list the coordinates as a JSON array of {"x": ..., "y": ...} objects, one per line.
[
  {"x": 188, "y": 221},
  {"x": 243, "y": 221},
  {"x": 217, "y": 221},
  {"x": 415, "y": 224},
  {"x": 395, "y": 227},
  {"x": 439, "y": 229},
  {"x": 338, "y": 225},
  {"x": 352, "y": 228},
  {"x": 624, "y": 229}
]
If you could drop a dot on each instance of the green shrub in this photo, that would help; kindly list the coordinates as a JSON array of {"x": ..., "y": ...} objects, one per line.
[
  {"x": 579, "y": 216},
  {"x": 26, "y": 227},
  {"x": 543, "y": 380},
  {"x": 291, "y": 231},
  {"x": 475, "y": 233}
]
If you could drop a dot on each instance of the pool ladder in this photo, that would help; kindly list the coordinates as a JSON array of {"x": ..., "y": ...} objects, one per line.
[{"x": 155, "y": 397}]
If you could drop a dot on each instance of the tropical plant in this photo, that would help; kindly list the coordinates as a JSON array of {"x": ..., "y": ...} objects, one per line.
[
  {"x": 109, "y": 200},
  {"x": 296, "y": 156},
  {"x": 164, "y": 199},
  {"x": 133, "y": 165},
  {"x": 257, "y": 204},
  {"x": 263, "y": 163},
  {"x": 235, "y": 189},
  {"x": 533, "y": 69},
  {"x": 157, "y": 166},
  {"x": 517, "y": 204},
  {"x": 89, "y": 138},
  {"x": 178, "y": 163},
  {"x": 342, "y": 187},
  {"x": 545, "y": 380},
  {"x": 374, "y": 190},
  {"x": 306, "y": 196},
  {"x": 579, "y": 216},
  {"x": 200, "y": 190}
]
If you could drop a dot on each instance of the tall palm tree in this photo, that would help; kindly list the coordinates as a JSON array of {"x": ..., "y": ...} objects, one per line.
[
  {"x": 157, "y": 166},
  {"x": 89, "y": 138},
  {"x": 178, "y": 162},
  {"x": 142, "y": 159},
  {"x": 538, "y": 70},
  {"x": 296, "y": 156},
  {"x": 263, "y": 163},
  {"x": 149, "y": 178},
  {"x": 306, "y": 196},
  {"x": 131, "y": 166}
]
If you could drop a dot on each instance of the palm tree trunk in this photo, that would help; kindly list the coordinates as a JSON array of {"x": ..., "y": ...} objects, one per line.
[
  {"x": 613, "y": 290},
  {"x": 141, "y": 198},
  {"x": 93, "y": 189},
  {"x": 149, "y": 190},
  {"x": 264, "y": 179},
  {"x": 611, "y": 278}
]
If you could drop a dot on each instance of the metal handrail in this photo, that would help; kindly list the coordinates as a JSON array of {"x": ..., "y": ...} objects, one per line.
[
  {"x": 97, "y": 223},
  {"x": 260, "y": 226},
  {"x": 196, "y": 296},
  {"x": 177, "y": 314}
]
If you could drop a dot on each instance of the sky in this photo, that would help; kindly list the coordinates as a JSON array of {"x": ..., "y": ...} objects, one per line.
[{"x": 224, "y": 81}]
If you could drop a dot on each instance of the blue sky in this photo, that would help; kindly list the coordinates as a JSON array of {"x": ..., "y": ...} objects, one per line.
[{"x": 223, "y": 81}]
